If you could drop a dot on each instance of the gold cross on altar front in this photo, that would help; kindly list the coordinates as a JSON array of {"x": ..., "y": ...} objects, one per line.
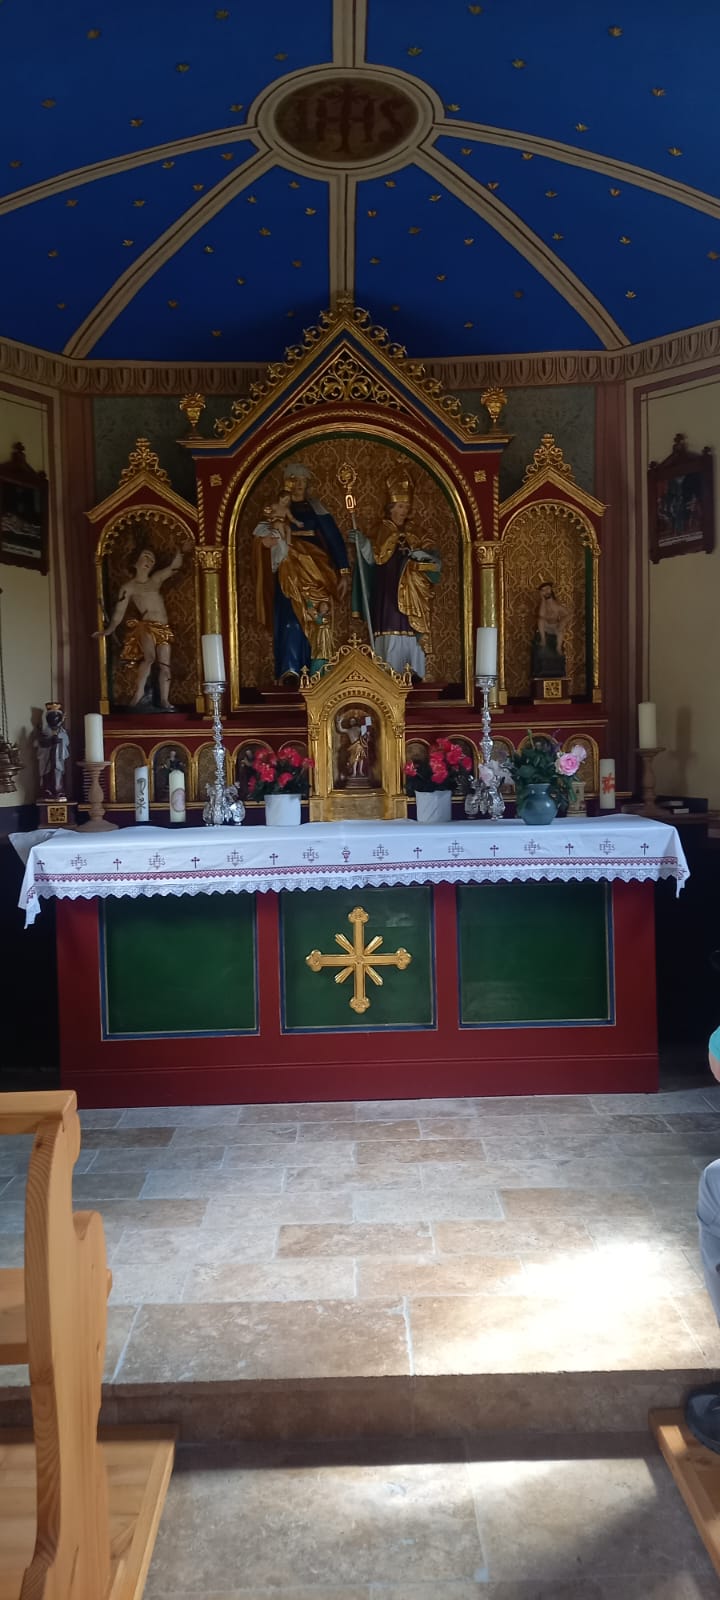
[{"x": 359, "y": 959}]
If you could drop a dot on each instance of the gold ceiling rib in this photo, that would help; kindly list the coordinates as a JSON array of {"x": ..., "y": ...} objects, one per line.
[
  {"x": 349, "y": 32},
  {"x": 527, "y": 243},
  {"x": 124, "y": 289}
]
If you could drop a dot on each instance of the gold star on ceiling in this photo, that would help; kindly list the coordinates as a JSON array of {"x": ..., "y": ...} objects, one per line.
[
  {"x": 264, "y": 233},
  {"x": 713, "y": 255},
  {"x": 518, "y": 63},
  {"x": 372, "y": 213},
  {"x": 52, "y": 253},
  {"x": 61, "y": 305},
  {"x": 127, "y": 243},
  {"x": 48, "y": 104},
  {"x": 208, "y": 249},
  {"x": 227, "y": 155},
  {"x": 168, "y": 164},
  {"x": 630, "y": 294},
  {"x": 673, "y": 150},
  {"x": 198, "y": 187},
  {"x": 518, "y": 293},
  {"x": 293, "y": 184},
  {"x": 434, "y": 197},
  {"x": 441, "y": 276},
  {"x": 493, "y": 186},
  {"x": 282, "y": 55},
  {"x": 658, "y": 93},
  {"x": 136, "y": 122},
  {"x": 413, "y": 230},
  {"x": 581, "y": 127},
  {"x": 216, "y": 333},
  {"x": 468, "y": 241},
  {"x": 93, "y": 33},
  {"x": 297, "y": 263},
  {"x": 221, "y": 16},
  {"x": 615, "y": 32},
  {"x": 452, "y": 107},
  {"x": 182, "y": 66},
  {"x": 558, "y": 236},
  {"x": 390, "y": 183},
  {"x": 173, "y": 304},
  {"x": 624, "y": 239},
  {"x": 615, "y": 193},
  {"x": 527, "y": 155},
  {"x": 240, "y": 280},
  {"x": 394, "y": 308},
  {"x": 289, "y": 313},
  {"x": 138, "y": 203},
  {"x": 71, "y": 204},
  {"x": 16, "y": 163},
  {"x": 251, "y": 199},
  {"x": 466, "y": 150},
  {"x": 414, "y": 50},
  {"x": 551, "y": 194},
  {"x": 374, "y": 261},
  {"x": 310, "y": 211},
  {"x": 237, "y": 107},
  {"x": 475, "y": 11},
  {"x": 468, "y": 324}
]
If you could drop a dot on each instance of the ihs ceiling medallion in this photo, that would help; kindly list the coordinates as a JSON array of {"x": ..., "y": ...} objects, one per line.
[{"x": 365, "y": 119}]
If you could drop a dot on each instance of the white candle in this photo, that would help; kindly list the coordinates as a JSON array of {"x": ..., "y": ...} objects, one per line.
[
  {"x": 486, "y": 653},
  {"x": 142, "y": 795},
  {"x": 607, "y": 784},
  {"x": 94, "y": 747},
  {"x": 647, "y": 725},
  {"x": 176, "y": 792},
  {"x": 213, "y": 658}
]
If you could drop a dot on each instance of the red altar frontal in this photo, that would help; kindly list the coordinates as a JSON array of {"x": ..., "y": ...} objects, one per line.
[{"x": 355, "y": 961}]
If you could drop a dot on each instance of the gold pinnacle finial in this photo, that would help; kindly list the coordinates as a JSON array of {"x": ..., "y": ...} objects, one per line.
[
  {"x": 143, "y": 459},
  {"x": 193, "y": 405},
  {"x": 548, "y": 454}
]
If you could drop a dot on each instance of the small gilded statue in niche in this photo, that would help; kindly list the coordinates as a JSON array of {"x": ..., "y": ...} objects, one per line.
[
  {"x": 354, "y": 749},
  {"x": 147, "y": 637},
  {"x": 301, "y": 572},
  {"x": 548, "y": 656},
  {"x": 52, "y": 744},
  {"x": 398, "y": 588}
]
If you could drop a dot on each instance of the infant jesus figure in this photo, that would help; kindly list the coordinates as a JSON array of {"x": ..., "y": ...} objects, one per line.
[{"x": 277, "y": 525}]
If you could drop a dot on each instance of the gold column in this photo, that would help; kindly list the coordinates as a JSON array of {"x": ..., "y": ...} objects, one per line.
[
  {"x": 209, "y": 559},
  {"x": 491, "y": 610}
]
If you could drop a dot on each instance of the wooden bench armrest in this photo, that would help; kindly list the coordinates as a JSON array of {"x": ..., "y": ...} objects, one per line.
[{"x": 25, "y": 1113}]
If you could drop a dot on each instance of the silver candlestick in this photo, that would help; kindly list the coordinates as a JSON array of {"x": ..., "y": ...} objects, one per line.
[
  {"x": 485, "y": 799},
  {"x": 223, "y": 801}
]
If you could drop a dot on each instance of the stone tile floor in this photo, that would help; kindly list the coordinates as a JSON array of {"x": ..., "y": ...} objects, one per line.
[
  {"x": 412, "y": 1238},
  {"x": 551, "y": 1522}
]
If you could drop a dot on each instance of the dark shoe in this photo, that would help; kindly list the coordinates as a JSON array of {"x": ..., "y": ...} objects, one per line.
[{"x": 702, "y": 1415}]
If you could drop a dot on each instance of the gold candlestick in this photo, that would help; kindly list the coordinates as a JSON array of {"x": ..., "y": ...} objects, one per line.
[{"x": 96, "y": 800}]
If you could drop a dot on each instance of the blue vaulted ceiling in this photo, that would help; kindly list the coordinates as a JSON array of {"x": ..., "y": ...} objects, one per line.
[{"x": 561, "y": 193}]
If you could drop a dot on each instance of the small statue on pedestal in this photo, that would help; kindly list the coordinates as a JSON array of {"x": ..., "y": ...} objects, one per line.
[
  {"x": 53, "y": 748},
  {"x": 549, "y": 666}
]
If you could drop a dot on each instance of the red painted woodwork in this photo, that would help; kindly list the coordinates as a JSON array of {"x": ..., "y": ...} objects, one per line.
[{"x": 274, "y": 1067}]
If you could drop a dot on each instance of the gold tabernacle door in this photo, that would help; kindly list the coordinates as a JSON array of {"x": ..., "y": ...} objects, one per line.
[{"x": 356, "y": 736}]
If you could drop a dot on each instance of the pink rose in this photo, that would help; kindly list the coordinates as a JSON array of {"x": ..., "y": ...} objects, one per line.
[{"x": 567, "y": 764}]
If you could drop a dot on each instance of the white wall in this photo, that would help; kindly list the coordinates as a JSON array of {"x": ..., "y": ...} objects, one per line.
[
  {"x": 684, "y": 610},
  {"x": 25, "y": 602}
]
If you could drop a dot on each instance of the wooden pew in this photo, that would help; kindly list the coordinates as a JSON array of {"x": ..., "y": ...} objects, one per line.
[{"x": 78, "y": 1515}]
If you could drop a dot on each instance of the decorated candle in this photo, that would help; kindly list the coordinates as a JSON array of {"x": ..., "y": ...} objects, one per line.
[
  {"x": 176, "y": 792},
  {"x": 647, "y": 725},
  {"x": 94, "y": 747},
  {"x": 213, "y": 658},
  {"x": 607, "y": 784},
  {"x": 142, "y": 795},
  {"x": 486, "y": 653}
]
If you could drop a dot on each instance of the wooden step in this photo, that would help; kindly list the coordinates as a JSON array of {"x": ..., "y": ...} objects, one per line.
[
  {"x": 696, "y": 1471},
  {"x": 139, "y": 1464}
]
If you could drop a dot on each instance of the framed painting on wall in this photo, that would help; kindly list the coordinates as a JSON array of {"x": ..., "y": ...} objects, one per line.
[
  {"x": 23, "y": 513},
  {"x": 681, "y": 508}
]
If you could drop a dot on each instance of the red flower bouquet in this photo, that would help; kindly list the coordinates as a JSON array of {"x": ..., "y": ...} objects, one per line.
[
  {"x": 446, "y": 766},
  {"x": 285, "y": 771}
]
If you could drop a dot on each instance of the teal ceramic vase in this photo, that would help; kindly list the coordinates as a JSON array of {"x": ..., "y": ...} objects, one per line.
[{"x": 537, "y": 807}]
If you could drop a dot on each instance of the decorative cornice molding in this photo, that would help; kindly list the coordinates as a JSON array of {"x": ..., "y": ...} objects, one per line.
[{"x": 27, "y": 364}]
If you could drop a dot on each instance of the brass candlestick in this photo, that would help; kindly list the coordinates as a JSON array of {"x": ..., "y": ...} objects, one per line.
[{"x": 96, "y": 800}]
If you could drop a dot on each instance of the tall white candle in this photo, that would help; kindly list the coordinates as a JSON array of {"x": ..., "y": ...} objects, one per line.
[
  {"x": 213, "y": 658},
  {"x": 94, "y": 747},
  {"x": 647, "y": 725},
  {"x": 486, "y": 653},
  {"x": 176, "y": 792},
  {"x": 142, "y": 794},
  {"x": 607, "y": 784}
]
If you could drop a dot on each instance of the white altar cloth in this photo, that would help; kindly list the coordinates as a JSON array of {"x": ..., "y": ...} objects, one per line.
[{"x": 144, "y": 860}]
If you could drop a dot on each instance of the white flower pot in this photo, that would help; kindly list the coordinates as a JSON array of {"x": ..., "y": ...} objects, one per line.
[
  {"x": 282, "y": 810},
  {"x": 434, "y": 806}
]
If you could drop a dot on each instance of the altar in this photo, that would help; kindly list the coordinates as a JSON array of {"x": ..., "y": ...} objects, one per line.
[{"x": 355, "y": 959}]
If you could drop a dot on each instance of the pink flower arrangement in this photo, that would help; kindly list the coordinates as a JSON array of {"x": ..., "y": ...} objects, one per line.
[
  {"x": 570, "y": 761},
  {"x": 285, "y": 771},
  {"x": 446, "y": 766}
]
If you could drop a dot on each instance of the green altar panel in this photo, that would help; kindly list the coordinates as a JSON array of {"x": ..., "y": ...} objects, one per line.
[
  {"x": 402, "y": 917},
  {"x": 179, "y": 965},
  {"x": 534, "y": 953}
]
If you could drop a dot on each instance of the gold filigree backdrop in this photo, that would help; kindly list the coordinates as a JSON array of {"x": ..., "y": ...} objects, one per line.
[
  {"x": 179, "y": 594},
  {"x": 543, "y": 543},
  {"x": 432, "y": 523}
]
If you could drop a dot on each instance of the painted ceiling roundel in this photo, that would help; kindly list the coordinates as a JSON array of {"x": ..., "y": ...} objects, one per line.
[{"x": 183, "y": 181}]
